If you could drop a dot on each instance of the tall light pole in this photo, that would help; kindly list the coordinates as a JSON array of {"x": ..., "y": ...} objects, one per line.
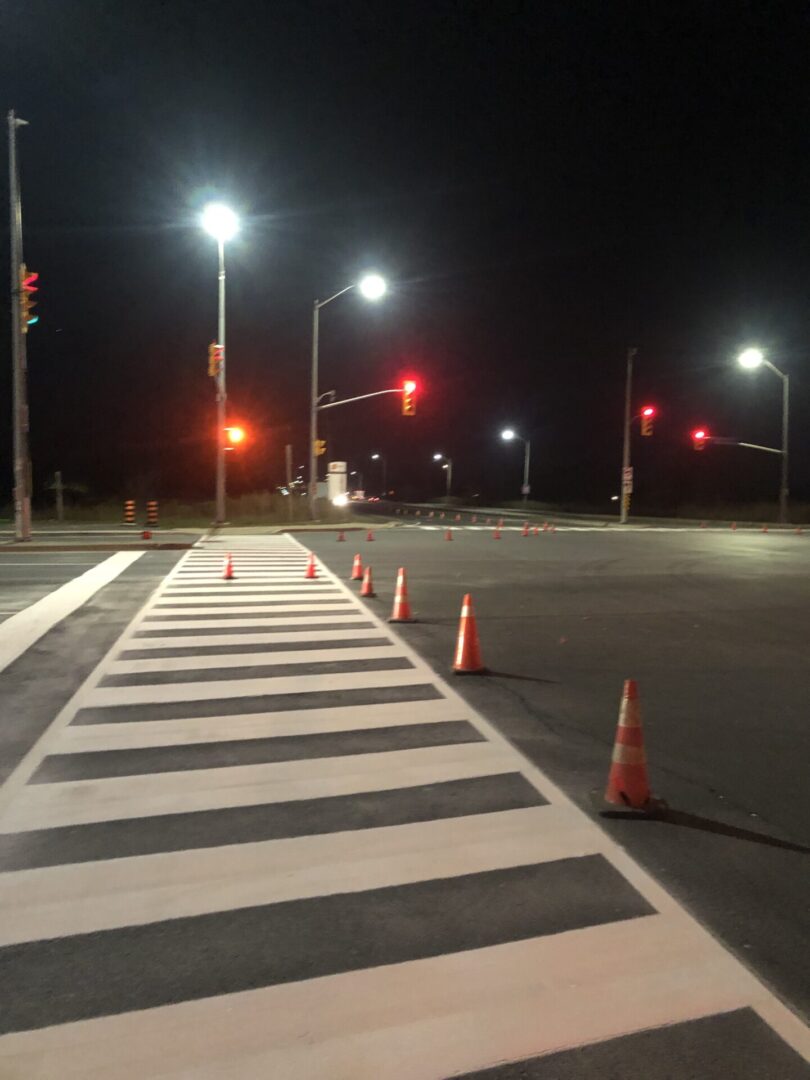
[
  {"x": 448, "y": 468},
  {"x": 372, "y": 287},
  {"x": 627, "y": 476},
  {"x": 22, "y": 458},
  {"x": 753, "y": 358},
  {"x": 221, "y": 223},
  {"x": 384, "y": 463},
  {"x": 508, "y": 435}
]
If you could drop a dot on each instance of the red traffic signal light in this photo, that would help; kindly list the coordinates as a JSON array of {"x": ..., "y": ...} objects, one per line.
[
  {"x": 409, "y": 398},
  {"x": 235, "y": 435},
  {"x": 699, "y": 437},
  {"x": 647, "y": 414}
]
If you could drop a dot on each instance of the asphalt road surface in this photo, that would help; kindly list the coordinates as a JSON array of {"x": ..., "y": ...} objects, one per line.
[
  {"x": 264, "y": 837},
  {"x": 713, "y": 625},
  {"x": 27, "y": 576}
]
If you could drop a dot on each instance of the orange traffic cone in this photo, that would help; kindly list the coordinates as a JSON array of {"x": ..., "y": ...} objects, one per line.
[
  {"x": 467, "y": 659},
  {"x": 311, "y": 573},
  {"x": 449, "y": 534},
  {"x": 497, "y": 534},
  {"x": 367, "y": 588},
  {"x": 628, "y": 784},
  {"x": 525, "y": 531},
  {"x": 369, "y": 535},
  {"x": 357, "y": 569},
  {"x": 146, "y": 535},
  {"x": 341, "y": 535},
  {"x": 401, "y": 611},
  {"x": 227, "y": 570},
  {"x": 536, "y": 530}
]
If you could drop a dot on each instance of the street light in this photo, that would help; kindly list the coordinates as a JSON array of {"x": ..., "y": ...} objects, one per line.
[
  {"x": 372, "y": 287},
  {"x": 222, "y": 223},
  {"x": 752, "y": 358},
  {"x": 448, "y": 467},
  {"x": 508, "y": 434},
  {"x": 377, "y": 456}
]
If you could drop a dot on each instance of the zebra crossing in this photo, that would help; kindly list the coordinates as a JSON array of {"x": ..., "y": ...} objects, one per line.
[{"x": 264, "y": 839}]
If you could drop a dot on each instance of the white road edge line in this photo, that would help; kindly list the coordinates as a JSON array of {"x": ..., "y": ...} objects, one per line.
[{"x": 21, "y": 630}]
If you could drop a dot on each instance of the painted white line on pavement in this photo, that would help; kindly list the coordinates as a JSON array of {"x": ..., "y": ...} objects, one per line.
[
  {"x": 81, "y": 802},
  {"x": 22, "y": 629},
  {"x": 136, "y": 734},
  {"x": 86, "y": 897}
]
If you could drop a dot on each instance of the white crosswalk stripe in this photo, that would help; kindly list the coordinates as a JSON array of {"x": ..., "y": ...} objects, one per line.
[{"x": 273, "y": 843}]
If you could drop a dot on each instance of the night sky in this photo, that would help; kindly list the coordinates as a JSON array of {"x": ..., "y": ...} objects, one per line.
[{"x": 543, "y": 184}]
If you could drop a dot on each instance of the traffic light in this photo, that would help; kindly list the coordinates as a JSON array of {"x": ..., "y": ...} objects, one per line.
[
  {"x": 409, "y": 398},
  {"x": 647, "y": 415},
  {"x": 235, "y": 435},
  {"x": 216, "y": 354},
  {"x": 699, "y": 437},
  {"x": 320, "y": 447},
  {"x": 27, "y": 302}
]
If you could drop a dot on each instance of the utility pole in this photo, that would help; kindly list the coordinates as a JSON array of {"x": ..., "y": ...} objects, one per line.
[
  {"x": 222, "y": 396},
  {"x": 288, "y": 457},
  {"x": 783, "y": 476},
  {"x": 22, "y": 458},
  {"x": 626, "y": 479},
  {"x": 60, "y": 495}
]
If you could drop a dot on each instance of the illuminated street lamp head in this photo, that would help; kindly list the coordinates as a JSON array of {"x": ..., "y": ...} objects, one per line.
[
  {"x": 507, "y": 434},
  {"x": 375, "y": 457},
  {"x": 438, "y": 457},
  {"x": 750, "y": 358},
  {"x": 235, "y": 434},
  {"x": 220, "y": 222},
  {"x": 372, "y": 286}
]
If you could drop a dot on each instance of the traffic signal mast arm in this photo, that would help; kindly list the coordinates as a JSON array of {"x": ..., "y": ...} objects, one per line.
[
  {"x": 722, "y": 441},
  {"x": 360, "y": 397}
]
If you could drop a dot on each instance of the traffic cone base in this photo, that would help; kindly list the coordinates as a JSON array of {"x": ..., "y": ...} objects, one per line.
[
  {"x": 467, "y": 658},
  {"x": 227, "y": 570},
  {"x": 401, "y": 611},
  {"x": 357, "y": 568},
  {"x": 367, "y": 588}
]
